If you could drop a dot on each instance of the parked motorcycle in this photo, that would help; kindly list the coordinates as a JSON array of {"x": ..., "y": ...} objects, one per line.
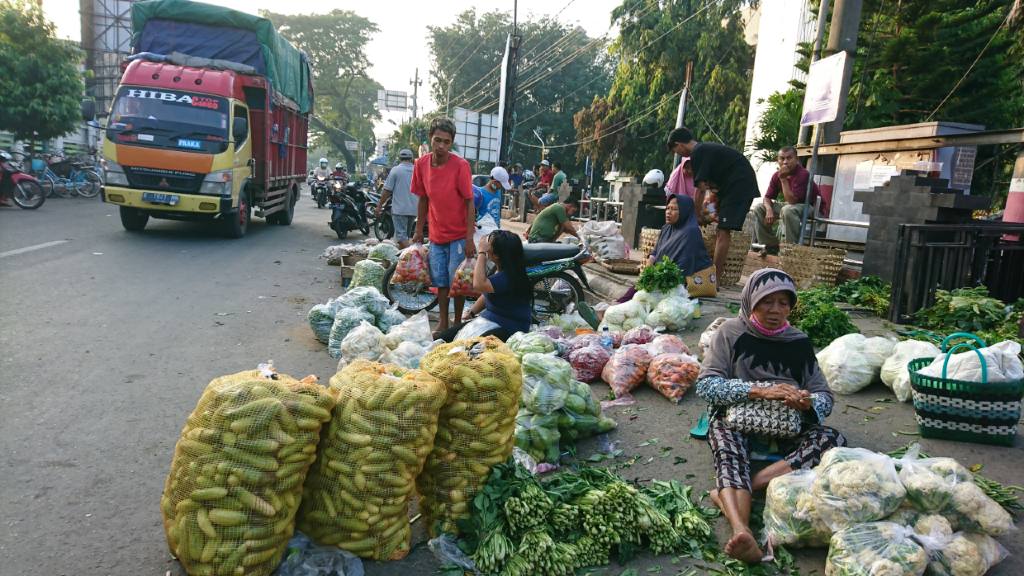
[
  {"x": 383, "y": 225},
  {"x": 348, "y": 209},
  {"x": 321, "y": 191},
  {"x": 23, "y": 188}
]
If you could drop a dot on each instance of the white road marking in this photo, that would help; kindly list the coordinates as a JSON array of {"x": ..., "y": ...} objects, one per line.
[{"x": 32, "y": 248}]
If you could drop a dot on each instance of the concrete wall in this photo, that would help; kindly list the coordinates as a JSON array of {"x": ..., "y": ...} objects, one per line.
[{"x": 781, "y": 25}]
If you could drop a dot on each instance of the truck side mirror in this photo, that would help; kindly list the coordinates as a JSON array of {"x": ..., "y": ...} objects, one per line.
[
  {"x": 240, "y": 130},
  {"x": 88, "y": 108}
]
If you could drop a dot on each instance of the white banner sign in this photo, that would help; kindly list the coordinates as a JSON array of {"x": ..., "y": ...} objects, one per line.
[{"x": 824, "y": 84}]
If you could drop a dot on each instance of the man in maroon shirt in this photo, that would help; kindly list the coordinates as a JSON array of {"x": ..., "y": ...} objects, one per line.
[{"x": 792, "y": 181}]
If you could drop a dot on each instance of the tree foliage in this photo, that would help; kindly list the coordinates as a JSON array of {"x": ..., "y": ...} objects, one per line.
[
  {"x": 779, "y": 124},
  {"x": 656, "y": 39},
  {"x": 346, "y": 98},
  {"x": 41, "y": 88},
  {"x": 560, "y": 71}
]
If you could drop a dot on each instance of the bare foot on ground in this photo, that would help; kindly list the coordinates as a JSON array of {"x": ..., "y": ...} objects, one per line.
[{"x": 743, "y": 546}]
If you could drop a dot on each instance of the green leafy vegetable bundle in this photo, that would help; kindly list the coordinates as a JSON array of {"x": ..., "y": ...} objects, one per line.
[
  {"x": 817, "y": 316},
  {"x": 661, "y": 277}
]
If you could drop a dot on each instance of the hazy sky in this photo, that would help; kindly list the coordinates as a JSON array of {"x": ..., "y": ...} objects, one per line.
[{"x": 401, "y": 45}]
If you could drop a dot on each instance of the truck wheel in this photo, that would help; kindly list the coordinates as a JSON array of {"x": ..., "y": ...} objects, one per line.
[
  {"x": 236, "y": 223},
  {"x": 284, "y": 217},
  {"x": 133, "y": 219}
]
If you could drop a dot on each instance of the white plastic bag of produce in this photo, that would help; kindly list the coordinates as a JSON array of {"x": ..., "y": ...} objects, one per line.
[
  {"x": 844, "y": 364},
  {"x": 961, "y": 554},
  {"x": 364, "y": 342},
  {"x": 875, "y": 549},
  {"x": 546, "y": 382},
  {"x": 894, "y": 372},
  {"x": 523, "y": 343},
  {"x": 673, "y": 313},
  {"x": 414, "y": 329},
  {"x": 625, "y": 316},
  {"x": 368, "y": 273},
  {"x": 1002, "y": 363},
  {"x": 345, "y": 320},
  {"x": 856, "y": 485},
  {"x": 708, "y": 334},
  {"x": 791, "y": 515},
  {"x": 930, "y": 482}
]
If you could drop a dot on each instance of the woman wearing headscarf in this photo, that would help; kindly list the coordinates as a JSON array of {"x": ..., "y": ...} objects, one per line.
[
  {"x": 759, "y": 356},
  {"x": 681, "y": 241}
]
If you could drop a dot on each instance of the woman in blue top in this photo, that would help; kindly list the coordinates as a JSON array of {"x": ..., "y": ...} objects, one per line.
[{"x": 505, "y": 299}]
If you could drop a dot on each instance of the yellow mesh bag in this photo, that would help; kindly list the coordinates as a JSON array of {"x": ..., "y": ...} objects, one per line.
[
  {"x": 230, "y": 500},
  {"x": 357, "y": 493},
  {"x": 476, "y": 428}
]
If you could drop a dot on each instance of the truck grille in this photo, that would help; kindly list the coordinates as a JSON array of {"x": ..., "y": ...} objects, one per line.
[{"x": 161, "y": 180}]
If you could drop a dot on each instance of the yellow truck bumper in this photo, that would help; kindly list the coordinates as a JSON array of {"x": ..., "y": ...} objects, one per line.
[{"x": 186, "y": 203}]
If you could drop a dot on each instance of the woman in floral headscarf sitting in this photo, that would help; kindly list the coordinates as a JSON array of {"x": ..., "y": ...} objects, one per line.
[{"x": 759, "y": 356}]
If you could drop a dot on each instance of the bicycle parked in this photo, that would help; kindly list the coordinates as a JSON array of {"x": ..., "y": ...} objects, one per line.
[{"x": 65, "y": 177}]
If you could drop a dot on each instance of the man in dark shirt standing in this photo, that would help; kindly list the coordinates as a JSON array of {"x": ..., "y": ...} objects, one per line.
[
  {"x": 792, "y": 180},
  {"x": 727, "y": 170}
]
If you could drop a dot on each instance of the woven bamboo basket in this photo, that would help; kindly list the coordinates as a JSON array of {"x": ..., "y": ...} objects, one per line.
[
  {"x": 648, "y": 239},
  {"x": 735, "y": 260},
  {"x": 811, "y": 265},
  {"x": 622, "y": 266}
]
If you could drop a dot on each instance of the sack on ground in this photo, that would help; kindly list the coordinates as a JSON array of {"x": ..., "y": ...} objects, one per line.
[
  {"x": 523, "y": 343},
  {"x": 546, "y": 382},
  {"x": 321, "y": 319},
  {"x": 640, "y": 335},
  {"x": 673, "y": 375},
  {"x": 706, "y": 336},
  {"x": 626, "y": 369},
  {"x": 894, "y": 371},
  {"x": 368, "y": 298},
  {"x": 623, "y": 317},
  {"x": 538, "y": 435},
  {"x": 236, "y": 477},
  {"x": 384, "y": 252},
  {"x": 961, "y": 554},
  {"x": 668, "y": 344},
  {"x": 407, "y": 355},
  {"x": 414, "y": 329},
  {"x": 845, "y": 366},
  {"x": 673, "y": 313},
  {"x": 931, "y": 482},
  {"x": 357, "y": 494}
]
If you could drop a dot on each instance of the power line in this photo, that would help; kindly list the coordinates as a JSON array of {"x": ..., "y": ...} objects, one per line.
[{"x": 704, "y": 118}]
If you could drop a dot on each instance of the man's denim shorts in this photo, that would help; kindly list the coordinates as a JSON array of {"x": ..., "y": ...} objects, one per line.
[{"x": 444, "y": 260}]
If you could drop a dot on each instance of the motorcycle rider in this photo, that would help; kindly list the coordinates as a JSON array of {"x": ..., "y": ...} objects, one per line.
[
  {"x": 322, "y": 169},
  {"x": 340, "y": 173}
]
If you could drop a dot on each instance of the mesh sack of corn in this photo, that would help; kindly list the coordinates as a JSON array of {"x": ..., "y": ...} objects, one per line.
[
  {"x": 476, "y": 428},
  {"x": 357, "y": 493},
  {"x": 230, "y": 499}
]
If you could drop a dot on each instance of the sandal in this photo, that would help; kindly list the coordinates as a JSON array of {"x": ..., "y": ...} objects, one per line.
[{"x": 700, "y": 430}]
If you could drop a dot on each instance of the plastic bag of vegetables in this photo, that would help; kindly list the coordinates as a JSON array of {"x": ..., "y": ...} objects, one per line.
[
  {"x": 857, "y": 485},
  {"x": 588, "y": 362},
  {"x": 321, "y": 319},
  {"x": 553, "y": 332},
  {"x": 476, "y": 427},
  {"x": 236, "y": 477},
  {"x": 383, "y": 252},
  {"x": 364, "y": 342},
  {"x": 626, "y": 369},
  {"x": 462, "y": 283},
  {"x": 673, "y": 374},
  {"x": 345, "y": 320},
  {"x": 538, "y": 435},
  {"x": 582, "y": 341},
  {"x": 927, "y": 524},
  {"x": 622, "y": 317},
  {"x": 357, "y": 494},
  {"x": 414, "y": 329},
  {"x": 674, "y": 313},
  {"x": 667, "y": 344},
  {"x": 412, "y": 266},
  {"x": 569, "y": 321},
  {"x": 844, "y": 364},
  {"x": 407, "y": 355},
  {"x": 877, "y": 350},
  {"x": 973, "y": 510},
  {"x": 368, "y": 273},
  {"x": 581, "y": 416},
  {"x": 391, "y": 317},
  {"x": 961, "y": 554},
  {"x": 930, "y": 482},
  {"x": 546, "y": 382},
  {"x": 791, "y": 514},
  {"x": 875, "y": 549},
  {"x": 643, "y": 334},
  {"x": 894, "y": 371},
  {"x": 526, "y": 342},
  {"x": 367, "y": 298},
  {"x": 706, "y": 336}
]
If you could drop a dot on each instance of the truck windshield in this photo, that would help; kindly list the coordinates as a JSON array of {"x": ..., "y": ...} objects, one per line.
[{"x": 169, "y": 119}]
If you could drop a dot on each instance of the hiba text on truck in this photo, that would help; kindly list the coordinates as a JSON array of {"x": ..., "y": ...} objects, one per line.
[{"x": 209, "y": 121}]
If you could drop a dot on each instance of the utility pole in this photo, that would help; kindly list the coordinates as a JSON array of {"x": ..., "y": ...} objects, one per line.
[
  {"x": 681, "y": 113},
  {"x": 805, "y": 131},
  {"x": 842, "y": 37},
  {"x": 416, "y": 82}
]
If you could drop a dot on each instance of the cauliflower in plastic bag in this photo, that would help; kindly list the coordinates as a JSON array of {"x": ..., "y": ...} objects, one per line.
[
  {"x": 668, "y": 344},
  {"x": 894, "y": 371},
  {"x": 588, "y": 362},
  {"x": 705, "y": 337},
  {"x": 345, "y": 320},
  {"x": 384, "y": 252},
  {"x": 525, "y": 342},
  {"x": 962, "y": 554},
  {"x": 673, "y": 313},
  {"x": 321, "y": 319},
  {"x": 640, "y": 335},
  {"x": 546, "y": 382},
  {"x": 412, "y": 266},
  {"x": 367, "y": 298},
  {"x": 857, "y": 485},
  {"x": 365, "y": 342},
  {"x": 626, "y": 369},
  {"x": 844, "y": 364},
  {"x": 368, "y": 273},
  {"x": 622, "y": 317},
  {"x": 922, "y": 523},
  {"x": 975, "y": 511},
  {"x": 875, "y": 549},
  {"x": 414, "y": 329},
  {"x": 791, "y": 513},
  {"x": 407, "y": 354},
  {"x": 930, "y": 481},
  {"x": 673, "y": 374}
]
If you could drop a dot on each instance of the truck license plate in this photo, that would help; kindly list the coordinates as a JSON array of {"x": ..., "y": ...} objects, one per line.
[{"x": 157, "y": 198}]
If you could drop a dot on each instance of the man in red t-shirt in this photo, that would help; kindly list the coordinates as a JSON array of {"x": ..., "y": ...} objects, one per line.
[
  {"x": 444, "y": 183},
  {"x": 543, "y": 184}
]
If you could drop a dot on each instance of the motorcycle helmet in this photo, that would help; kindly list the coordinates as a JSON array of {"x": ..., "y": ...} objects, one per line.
[
  {"x": 655, "y": 178},
  {"x": 338, "y": 166},
  {"x": 405, "y": 154},
  {"x": 7, "y": 157},
  {"x": 323, "y": 162}
]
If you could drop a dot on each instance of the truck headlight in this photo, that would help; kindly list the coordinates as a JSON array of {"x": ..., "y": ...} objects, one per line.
[
  {"x": 217, "y": 183},
  {"x": 114, "y": 174}
]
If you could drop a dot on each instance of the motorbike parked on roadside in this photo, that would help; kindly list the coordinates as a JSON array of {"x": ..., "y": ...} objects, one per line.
[
  {"x": 23, "y": 188},
  {"x": 348, "y": 209}
]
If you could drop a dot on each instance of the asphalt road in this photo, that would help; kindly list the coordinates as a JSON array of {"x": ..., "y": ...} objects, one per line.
[{"x": 107, "y": 339}]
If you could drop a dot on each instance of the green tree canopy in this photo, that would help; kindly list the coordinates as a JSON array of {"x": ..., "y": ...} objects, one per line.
[
  {"x": 560, "y": 71},
  {"x": 656, "y": 39},
  {"x": 346, "y": 98},
  {"x": 41, "y": 86}
]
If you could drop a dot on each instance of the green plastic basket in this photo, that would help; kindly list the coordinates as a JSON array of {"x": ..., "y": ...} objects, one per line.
[{"x": 983, "y": 412}]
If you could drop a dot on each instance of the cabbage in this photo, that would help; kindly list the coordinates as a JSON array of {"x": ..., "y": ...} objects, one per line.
[
  {"x": 673, "y": 313},
  {"x": 525, "y": 342}
]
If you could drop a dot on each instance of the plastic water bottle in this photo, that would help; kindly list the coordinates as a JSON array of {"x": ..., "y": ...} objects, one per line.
[{"x": 606, "y": 339}]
